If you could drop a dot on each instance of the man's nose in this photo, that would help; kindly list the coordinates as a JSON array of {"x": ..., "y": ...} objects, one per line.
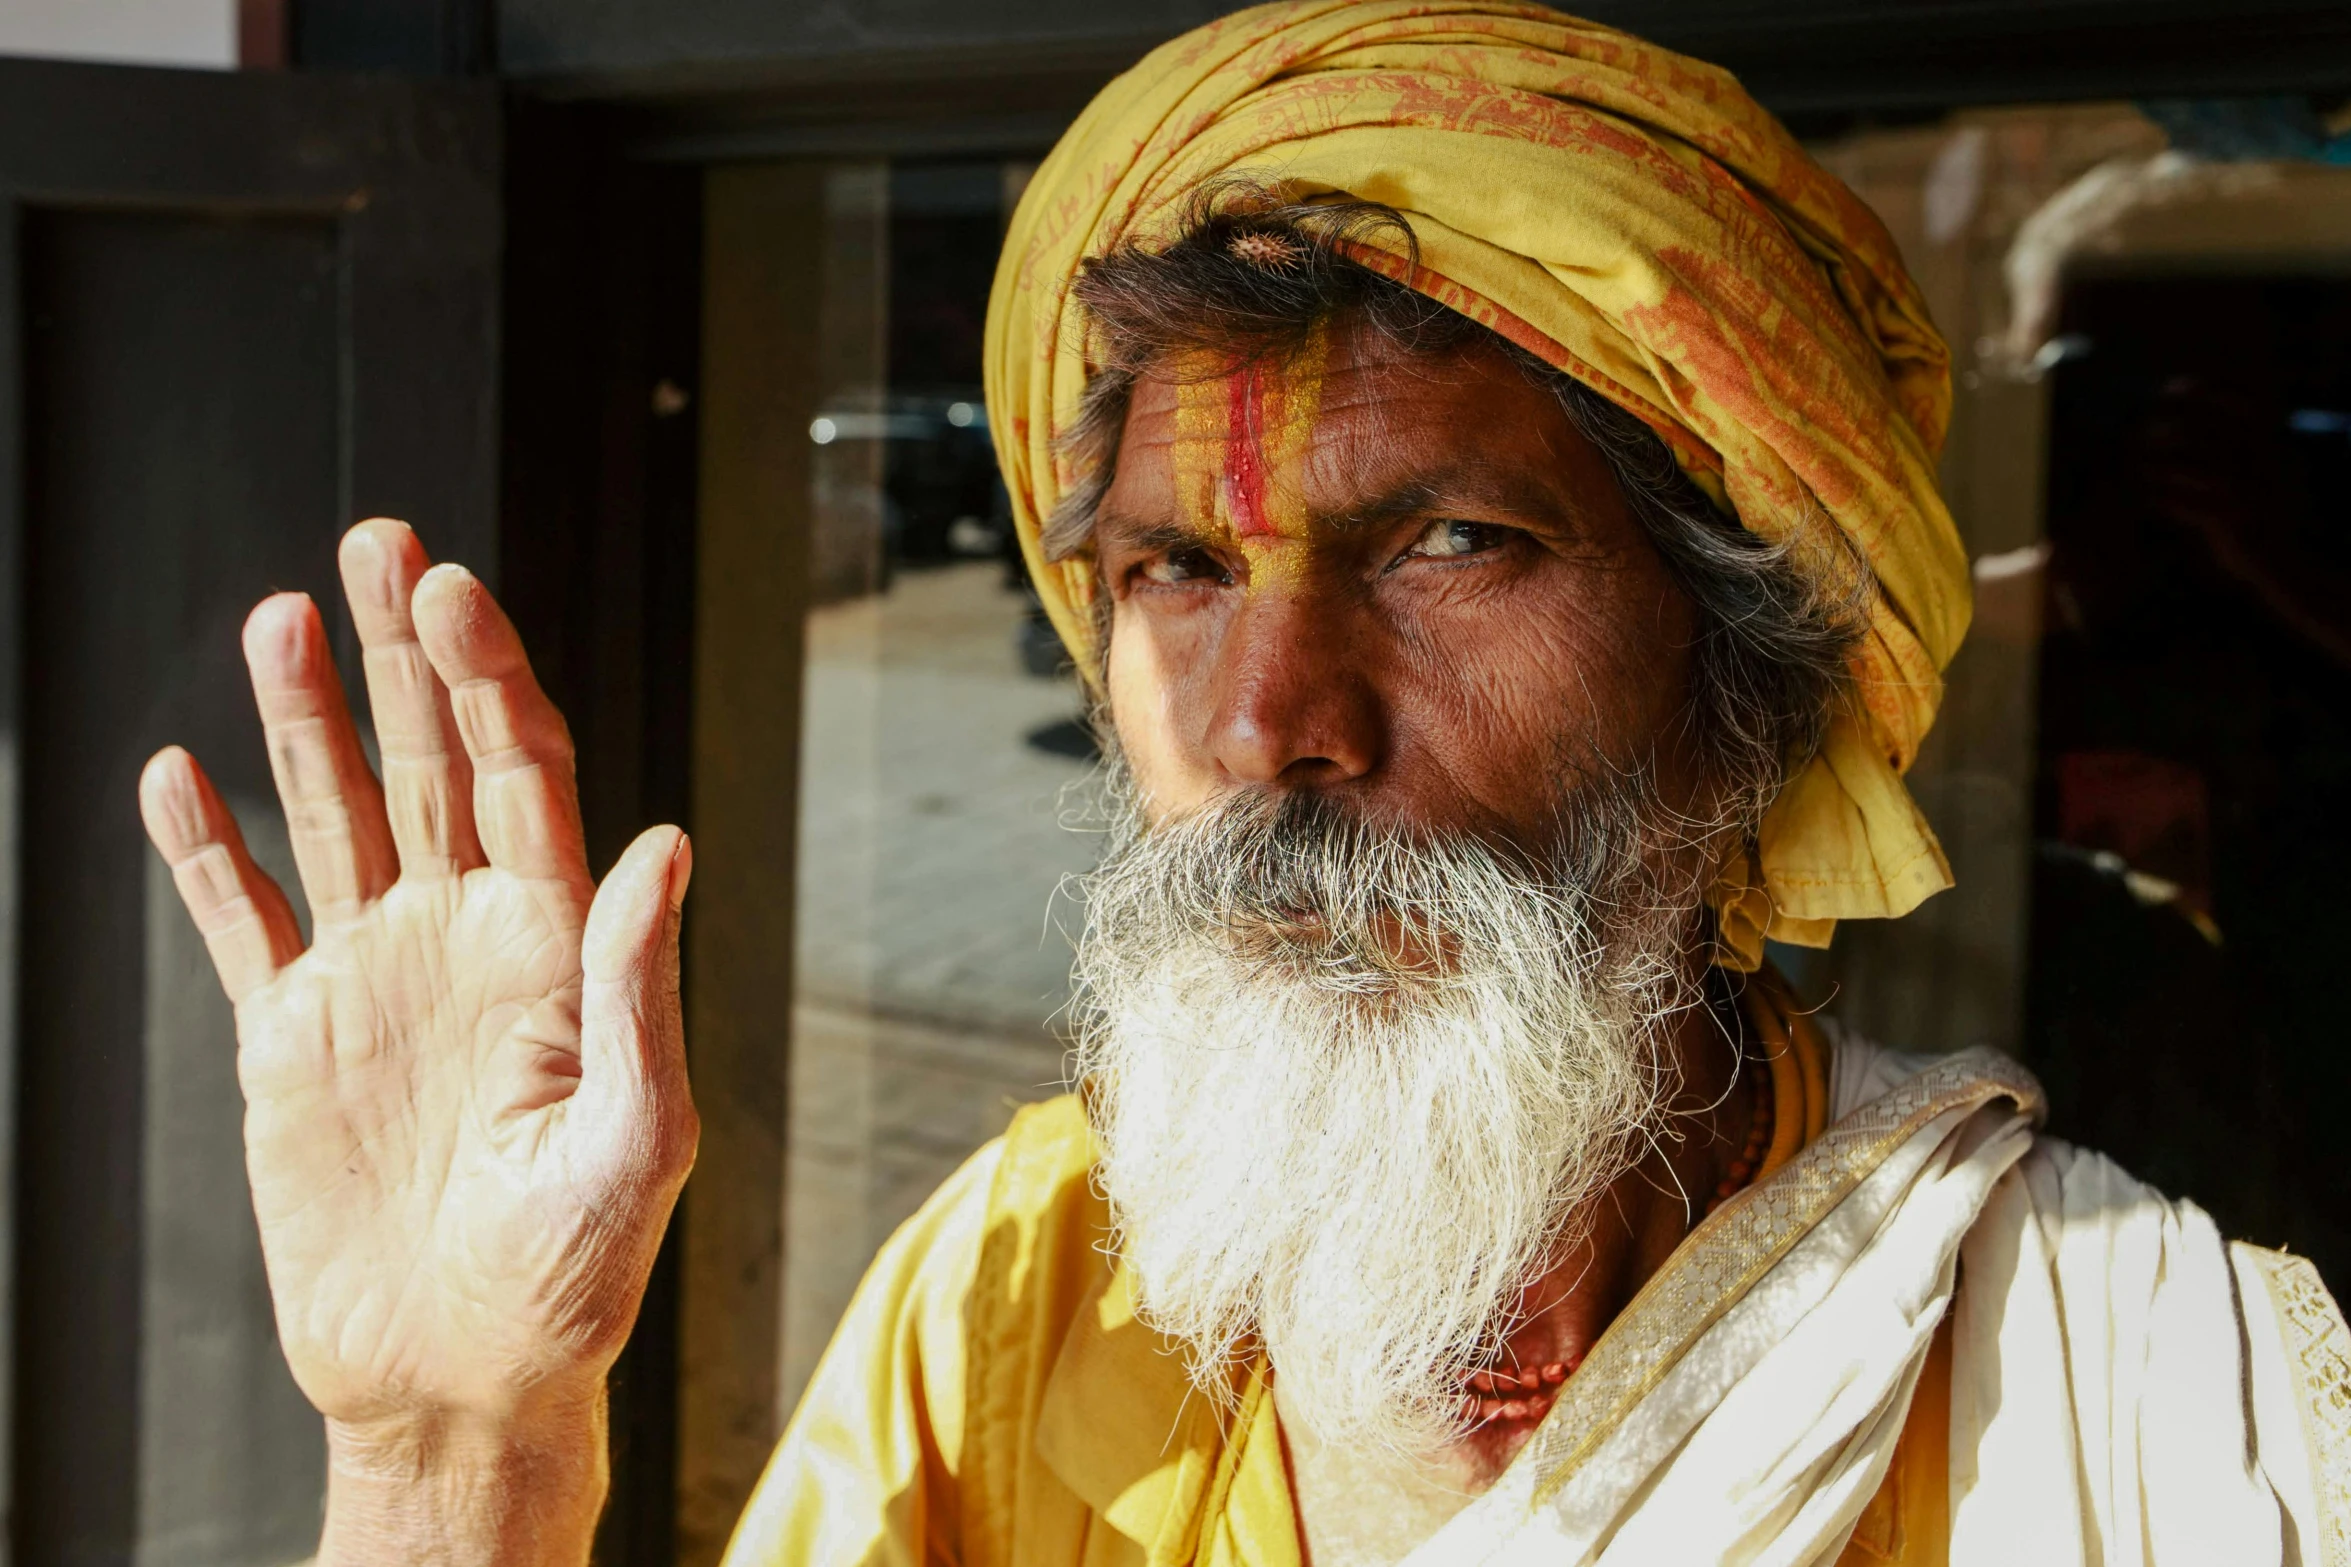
[{"x": 1293, "y": 704}]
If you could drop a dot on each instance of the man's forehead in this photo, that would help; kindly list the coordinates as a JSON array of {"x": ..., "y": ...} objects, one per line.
[
  {"x": 1366, "y": 386},
  {"x": 1381, "y": 428}
]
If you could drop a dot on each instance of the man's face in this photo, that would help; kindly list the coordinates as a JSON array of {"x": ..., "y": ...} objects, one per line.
[
  {"x": 1371, "y": 989},
  {"x": 1404, "y": 581}
]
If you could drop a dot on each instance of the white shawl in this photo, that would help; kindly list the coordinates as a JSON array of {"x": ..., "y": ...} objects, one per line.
[{"x": 2125, "y": 1388}]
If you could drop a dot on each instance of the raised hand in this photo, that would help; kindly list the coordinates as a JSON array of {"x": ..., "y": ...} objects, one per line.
[{"x": 466, "y": 1116}]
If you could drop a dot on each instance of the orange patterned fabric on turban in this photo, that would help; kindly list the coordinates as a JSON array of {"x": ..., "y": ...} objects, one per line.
[{"x": 1626, "y": 214}]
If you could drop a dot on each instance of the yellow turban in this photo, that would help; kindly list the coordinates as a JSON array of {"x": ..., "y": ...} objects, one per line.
[{"x": 1629, "y": 216}]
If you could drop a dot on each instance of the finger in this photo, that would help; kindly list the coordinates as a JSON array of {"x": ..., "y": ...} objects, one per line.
[
  {"x": 245, "y": 920},
  {"x": 428, "y": 779},
  {"x": 632, "y": 1035},
  {"x": 525, "y": 802},
  {"x": 334, "y": 806}
]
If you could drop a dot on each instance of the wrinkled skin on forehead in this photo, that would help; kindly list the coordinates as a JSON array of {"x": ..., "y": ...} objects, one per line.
[{"x": 1403, "y": 579}]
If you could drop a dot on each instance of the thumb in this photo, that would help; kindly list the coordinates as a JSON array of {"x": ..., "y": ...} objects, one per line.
[{"x": 632, "y": 1034}]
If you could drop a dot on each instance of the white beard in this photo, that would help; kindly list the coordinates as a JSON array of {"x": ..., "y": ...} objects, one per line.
[{"x": 1356, "y": 1161}]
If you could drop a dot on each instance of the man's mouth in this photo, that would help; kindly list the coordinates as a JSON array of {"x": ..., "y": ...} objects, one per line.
[{"x": 1381, "y": 943}]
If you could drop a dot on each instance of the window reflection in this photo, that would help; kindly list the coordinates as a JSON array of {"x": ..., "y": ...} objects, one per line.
[
  {"x": 940, "y": 734},
  {"x": 2195, "y": 742}
]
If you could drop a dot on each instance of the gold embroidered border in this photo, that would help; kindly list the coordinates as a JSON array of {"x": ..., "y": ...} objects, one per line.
[
  {"x": 1738, "y": 1243},
  {"x": 2318, "y": 1350}
]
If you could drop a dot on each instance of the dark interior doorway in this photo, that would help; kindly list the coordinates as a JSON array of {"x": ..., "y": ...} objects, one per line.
[{"x": 2194, "y": 757}]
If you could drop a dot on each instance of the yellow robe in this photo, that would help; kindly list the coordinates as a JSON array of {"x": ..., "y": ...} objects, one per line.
[{"x": 989, "y": 1398}]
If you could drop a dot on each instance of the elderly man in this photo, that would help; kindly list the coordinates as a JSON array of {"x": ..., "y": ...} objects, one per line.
[{"x": 1486, "y": 471}]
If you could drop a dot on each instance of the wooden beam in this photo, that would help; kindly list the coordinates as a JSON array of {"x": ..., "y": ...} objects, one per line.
[
  {"x": 883, "y": 60},
  {"x": 762, "y": 274}
]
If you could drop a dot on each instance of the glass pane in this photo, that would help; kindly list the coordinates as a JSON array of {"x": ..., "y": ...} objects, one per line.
[{"x": 941, "y": 729}]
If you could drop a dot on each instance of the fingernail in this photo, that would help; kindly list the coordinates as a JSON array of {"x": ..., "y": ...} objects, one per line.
[
  {"x": 279, "y": 639},
  {"x": 681, "y": 871},
  {"x": 446, "y": 568},
  {"x": 175, "y": 800},
  {"x": 374, "y": 564}
]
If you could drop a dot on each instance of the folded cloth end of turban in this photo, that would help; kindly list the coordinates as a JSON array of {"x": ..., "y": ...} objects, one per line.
[{"x": 1844, "y": 841}]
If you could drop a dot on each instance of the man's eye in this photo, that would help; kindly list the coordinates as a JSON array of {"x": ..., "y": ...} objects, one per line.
[
  {"x": 1451, "y": 539},
  {"x": 1190, "y": 564}
]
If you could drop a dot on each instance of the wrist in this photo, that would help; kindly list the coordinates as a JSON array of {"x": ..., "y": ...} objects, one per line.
[{"x": 443, "y": 1489}]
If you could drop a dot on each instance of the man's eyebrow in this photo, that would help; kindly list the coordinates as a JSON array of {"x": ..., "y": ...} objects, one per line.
[
  {"x": 1467, "y": 485},
  {"x": 1146, "y": 534},
  {"x": 1413, "y": 496}
]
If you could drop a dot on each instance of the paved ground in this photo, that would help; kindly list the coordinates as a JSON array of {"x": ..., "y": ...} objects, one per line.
[{"x": 931, "y": 953}]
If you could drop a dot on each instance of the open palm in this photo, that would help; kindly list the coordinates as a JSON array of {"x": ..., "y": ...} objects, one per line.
[{"x": 466, "y": 1110}]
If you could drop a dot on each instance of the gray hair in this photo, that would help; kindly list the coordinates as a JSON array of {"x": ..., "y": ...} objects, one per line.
[{"x": 1776, "y": 631}]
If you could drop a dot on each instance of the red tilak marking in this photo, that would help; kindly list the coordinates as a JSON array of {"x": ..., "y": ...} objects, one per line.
[{"x": 1244, "y": 454}]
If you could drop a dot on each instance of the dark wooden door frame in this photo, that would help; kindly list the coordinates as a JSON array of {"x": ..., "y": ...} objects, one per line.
[
  {"x": 601, "y": 414},
  {"x": 406, "y": 175}
]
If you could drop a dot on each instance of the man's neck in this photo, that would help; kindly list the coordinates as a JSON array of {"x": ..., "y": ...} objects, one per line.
[{"x": 1361, "y": 1509}]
